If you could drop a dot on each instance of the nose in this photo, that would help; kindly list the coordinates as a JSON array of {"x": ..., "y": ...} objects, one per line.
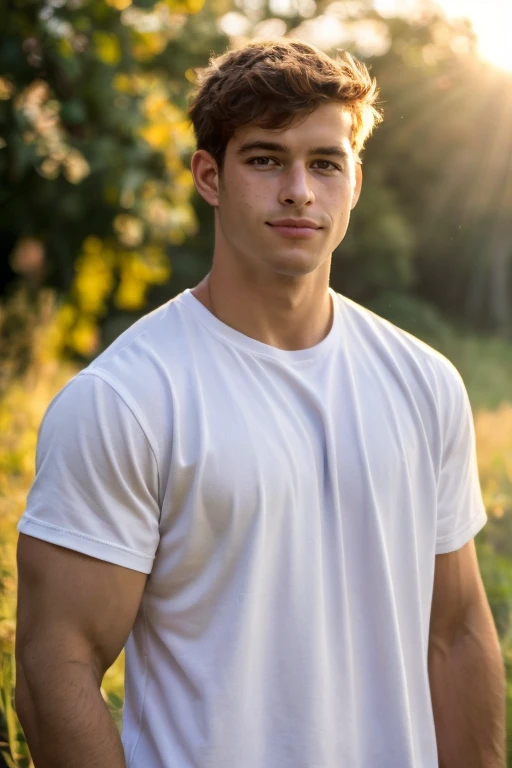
[{"x": 295, "y": 188}]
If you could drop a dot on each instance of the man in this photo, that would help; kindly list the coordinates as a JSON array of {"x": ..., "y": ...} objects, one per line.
[{"x": 267, "y": 492}]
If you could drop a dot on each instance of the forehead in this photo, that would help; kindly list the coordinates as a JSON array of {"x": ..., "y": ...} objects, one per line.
[{"x": 329, "y": 124}]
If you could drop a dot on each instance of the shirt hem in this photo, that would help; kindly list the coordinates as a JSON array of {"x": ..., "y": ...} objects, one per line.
[
  {"x": 86, "y": 545},
  {"x": 452, "y": 543}
]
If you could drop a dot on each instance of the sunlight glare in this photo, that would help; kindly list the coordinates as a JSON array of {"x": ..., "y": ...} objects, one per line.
[{"x": 492, "y": 21}]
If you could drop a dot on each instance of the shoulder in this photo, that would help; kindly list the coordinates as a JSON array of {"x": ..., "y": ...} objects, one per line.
[
  {"x": 141, "y": 363},
  {"x": 145, "y": 344},
  {"x": 430, "y": 380},
  {"x": 409, "y": 354},
  {"x": 131, "y": 380}
]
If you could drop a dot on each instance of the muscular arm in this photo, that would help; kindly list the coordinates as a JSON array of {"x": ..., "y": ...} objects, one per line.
[
  {"x": 74, "y": 616},
  {"x": 466, "y": 670}
]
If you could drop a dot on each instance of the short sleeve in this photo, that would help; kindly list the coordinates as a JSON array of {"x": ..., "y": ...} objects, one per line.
[
  {"x": 96, "y": 484},
  {"x": 460, "y": 510}
]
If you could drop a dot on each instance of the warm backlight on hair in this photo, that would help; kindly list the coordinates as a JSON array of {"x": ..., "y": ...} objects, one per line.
[{"x": 492, "y": 23}]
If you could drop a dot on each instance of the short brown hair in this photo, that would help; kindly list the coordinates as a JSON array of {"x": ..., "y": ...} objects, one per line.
[{"x": 270, "y": 83}]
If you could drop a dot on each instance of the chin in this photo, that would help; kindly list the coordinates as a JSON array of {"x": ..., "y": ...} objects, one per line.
[
  {"x": 294, "y": 265},
  {"x": 294, "y": 270}
]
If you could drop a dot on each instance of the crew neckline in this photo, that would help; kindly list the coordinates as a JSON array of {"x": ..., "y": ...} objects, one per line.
[{"x": 234, "y": 337}]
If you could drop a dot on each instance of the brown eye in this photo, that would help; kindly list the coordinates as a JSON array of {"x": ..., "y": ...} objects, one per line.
[
  {"x": 261, "y": 161},
  {"x": 326, "y": 165}
]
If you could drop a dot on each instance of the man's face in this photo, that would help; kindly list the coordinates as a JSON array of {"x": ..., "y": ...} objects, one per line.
[{"x": 285, "y": 196}]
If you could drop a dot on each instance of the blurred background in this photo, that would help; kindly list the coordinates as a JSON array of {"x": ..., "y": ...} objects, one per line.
[{"x": 99, "y": 221}]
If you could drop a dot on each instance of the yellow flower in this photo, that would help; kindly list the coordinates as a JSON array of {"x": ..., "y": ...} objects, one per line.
[
  {"x": 92, "y": 245},
  {"x": 65, "y": 316},
  {"x": 154, "y": 103},
  {"x": 6, "y": 89},
  {"x": 49, "y": 168},
  {"x": 76, "y": 167},
  {"x": 93, "y": 276},
  {"x": 107, "y": 47},
  {"x": 131, "y": 293},
  {"x": 184, "y": 6},
  {"x": 119, "y": 5},
  {"x": 130, "y": 230},
  {"x": 65, "y": 48},
  {"x": 84, "y": 336},
  {"x": 159, "y": 266},
  {"x": 123, "y": 83},
  {"x": 182, "y": 186},
  {"x": 147, "y": 44},
  {"x": 156, "y": 134}
]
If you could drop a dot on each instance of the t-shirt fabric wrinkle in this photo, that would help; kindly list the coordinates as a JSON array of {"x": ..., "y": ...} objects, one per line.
[{"x": 288, "y": 507}]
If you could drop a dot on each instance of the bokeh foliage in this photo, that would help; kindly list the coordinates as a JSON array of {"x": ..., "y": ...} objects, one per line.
[
  {"x": 93, "y": 153},
  {"x": 94, "y": 150}
]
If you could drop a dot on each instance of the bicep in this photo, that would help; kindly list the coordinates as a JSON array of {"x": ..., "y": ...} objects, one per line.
[
  {"x": 75, "y": 607},
  {"x": 458, "y": 593}
]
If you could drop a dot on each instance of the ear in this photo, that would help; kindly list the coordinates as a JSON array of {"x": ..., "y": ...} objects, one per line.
[
  {"x": 206, "y": 176},
  {"x": 357, "y": 186}
]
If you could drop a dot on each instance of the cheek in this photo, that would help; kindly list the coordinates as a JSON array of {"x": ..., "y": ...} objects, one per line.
[
  {"x": 241, "y": 217},
  {"x": 338, "y": 207},
  {"x": 340, "y": 220},
  {"x": 247, "y": 207}
]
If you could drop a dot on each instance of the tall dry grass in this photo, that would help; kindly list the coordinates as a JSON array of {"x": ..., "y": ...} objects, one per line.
[{"x": 30, "y": 376}]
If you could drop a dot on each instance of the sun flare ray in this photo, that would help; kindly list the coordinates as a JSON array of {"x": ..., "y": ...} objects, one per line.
[{"x": 491, "y": 22}]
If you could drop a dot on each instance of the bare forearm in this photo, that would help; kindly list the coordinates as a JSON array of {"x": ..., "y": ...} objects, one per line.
[
  {"x": 467, "y": 683},
  {"x": 65, "y": 720}
]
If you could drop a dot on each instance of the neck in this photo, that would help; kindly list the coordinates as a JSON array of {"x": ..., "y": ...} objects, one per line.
[{"x": 284, "y": 312}]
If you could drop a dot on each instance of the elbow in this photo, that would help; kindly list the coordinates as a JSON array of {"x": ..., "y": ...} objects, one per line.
[
  {"x": 21, "y": 700},
  {"x": 24, "y": 705},
  {"x": 22, "y": 694},
  {"x": 32, "y": 680}
]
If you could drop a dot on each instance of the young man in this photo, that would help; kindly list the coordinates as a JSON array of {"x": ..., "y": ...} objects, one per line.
[{"x": 267, "y": 492}]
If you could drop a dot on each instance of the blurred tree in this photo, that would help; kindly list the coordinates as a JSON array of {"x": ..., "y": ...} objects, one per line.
[
  {"x": 445, "y": 148},
  {"x": 423, "y": 223},
  {"x": 376, "y": 254},
  {"x": 94, "y": 148},
  {"x": 434, "y": 216},
  {"x": 94, "y": 184}
]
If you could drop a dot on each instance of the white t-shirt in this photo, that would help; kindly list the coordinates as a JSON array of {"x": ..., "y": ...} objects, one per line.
[{"x": 288, "y": 506}]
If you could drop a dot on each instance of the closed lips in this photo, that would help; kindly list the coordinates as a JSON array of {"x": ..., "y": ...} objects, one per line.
[{"x": 299, "y": 223}]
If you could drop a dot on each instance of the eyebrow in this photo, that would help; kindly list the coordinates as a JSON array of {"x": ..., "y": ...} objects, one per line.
[{"x": 272, "y": 146}]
